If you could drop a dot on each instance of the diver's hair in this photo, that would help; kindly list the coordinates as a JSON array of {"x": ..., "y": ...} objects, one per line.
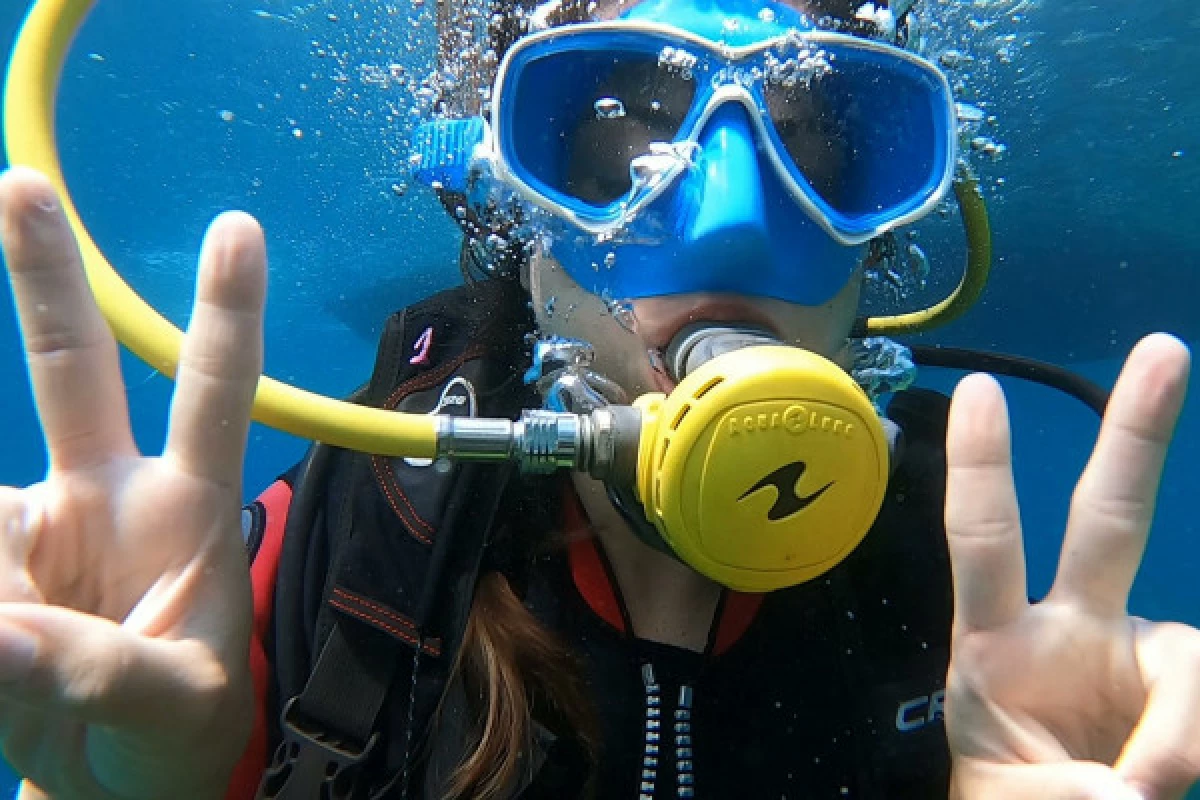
[
  {"x": 510, "y": 19},
  {"x": 478, "y": 258},
  {"x": 474, "y": 35},
  {"x": 508, "y": 664},
  {"x": 473, "y": 264},
  {"x": 507, "y": 22}
]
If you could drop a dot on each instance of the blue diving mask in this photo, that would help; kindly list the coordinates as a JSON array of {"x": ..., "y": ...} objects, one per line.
[{"x": 736, "y": 149}]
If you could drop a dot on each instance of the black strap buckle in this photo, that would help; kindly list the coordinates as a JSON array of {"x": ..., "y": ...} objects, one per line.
[{"x": 310, "y": 762}]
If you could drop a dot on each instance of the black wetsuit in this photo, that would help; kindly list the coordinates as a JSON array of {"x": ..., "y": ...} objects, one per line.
[{"x": 830, "y": 689}]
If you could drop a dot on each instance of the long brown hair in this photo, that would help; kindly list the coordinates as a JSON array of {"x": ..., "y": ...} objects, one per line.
[{"x": 508, "y": 662}]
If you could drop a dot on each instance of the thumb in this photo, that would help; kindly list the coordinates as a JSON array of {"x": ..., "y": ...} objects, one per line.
[
  {"x": 95, "y": 669},
  {"x": 1162, "y": 756},
  {"x": 1065, "y": 780}
]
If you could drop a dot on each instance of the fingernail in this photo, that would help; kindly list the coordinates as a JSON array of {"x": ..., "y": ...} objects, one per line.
[
  {"x": 48, "y": 201},
  {"x": 18, "y": 649},
  {"x": 51, "y": 208}
]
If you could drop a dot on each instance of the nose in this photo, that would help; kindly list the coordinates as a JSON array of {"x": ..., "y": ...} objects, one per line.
[{"x": 729, "y": 217}]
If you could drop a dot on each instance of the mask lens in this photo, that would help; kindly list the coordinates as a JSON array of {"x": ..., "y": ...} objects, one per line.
[
  {"x": 867, "y": 133},
  {"x": 579, "y": 117}
]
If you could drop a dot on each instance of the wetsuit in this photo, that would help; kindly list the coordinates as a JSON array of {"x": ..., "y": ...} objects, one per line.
[{"x": 829, "y": 689}]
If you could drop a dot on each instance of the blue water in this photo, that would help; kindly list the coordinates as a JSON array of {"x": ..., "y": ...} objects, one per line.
[{"x": 1094, "y": 219}]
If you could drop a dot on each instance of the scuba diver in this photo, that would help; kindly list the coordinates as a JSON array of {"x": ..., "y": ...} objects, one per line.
[{"x": 661, "y": 200}]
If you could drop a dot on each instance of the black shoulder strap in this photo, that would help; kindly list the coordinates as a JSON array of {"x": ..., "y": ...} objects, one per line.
[{"x": 403, "y": 541}]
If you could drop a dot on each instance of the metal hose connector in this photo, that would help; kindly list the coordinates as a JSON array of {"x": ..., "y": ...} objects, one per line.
[{"x": 602, "y": 443}]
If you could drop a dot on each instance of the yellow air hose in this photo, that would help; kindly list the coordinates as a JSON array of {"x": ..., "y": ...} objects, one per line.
[
  {"x": 978, "y": 231},
  {"x": 29, "y": 131}
]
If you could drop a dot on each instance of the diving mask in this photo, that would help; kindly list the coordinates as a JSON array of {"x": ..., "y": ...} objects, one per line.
[{"x": 735, "y": 150}]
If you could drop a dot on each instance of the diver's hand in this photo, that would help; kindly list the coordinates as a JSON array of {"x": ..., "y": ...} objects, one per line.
[
  {"x": 124, "y": 591},
  {"x": 1071, "y": 698}
]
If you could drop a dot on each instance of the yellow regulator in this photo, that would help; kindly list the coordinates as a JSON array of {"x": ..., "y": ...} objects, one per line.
[{"x": 764, "y": 468}]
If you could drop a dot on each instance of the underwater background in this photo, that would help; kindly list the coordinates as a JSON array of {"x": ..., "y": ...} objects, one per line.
[{"x": 171, "y": 113}]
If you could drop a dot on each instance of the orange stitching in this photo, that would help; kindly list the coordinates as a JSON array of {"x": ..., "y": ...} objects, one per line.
[
  {"x": 380, "y": 608},
  {"x": 381, "y": 477},
  {"x": 407, "y": 637},
  {"x": 416, "y": 517},
  {"x": 368, "y": 618},
  {"x": 396, "y": 616}
]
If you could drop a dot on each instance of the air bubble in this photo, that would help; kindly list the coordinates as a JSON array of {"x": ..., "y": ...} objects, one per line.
[
  {"x": 992, "y": 149},
  {"x": 678, "y": 60},
  {"x": 918, "y": 262},
  {"x": 968, "y": 115},
  {"x": 953, "y": 59},
  {"x": 622, "y": 312},
  {"x": 609, "y": 108}
]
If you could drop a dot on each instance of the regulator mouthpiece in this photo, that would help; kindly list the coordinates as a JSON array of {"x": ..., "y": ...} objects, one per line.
[{"x": 701, "y": 342}]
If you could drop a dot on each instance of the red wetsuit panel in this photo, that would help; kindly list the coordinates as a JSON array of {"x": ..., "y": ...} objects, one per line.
[
  {"x": 275, "y": 502},
  {"x": 603, "y": 597}
]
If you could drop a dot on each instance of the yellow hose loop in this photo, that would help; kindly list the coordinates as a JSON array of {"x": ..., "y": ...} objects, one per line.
[
  {"x": 979, "y": 265},
  {"x": 30, "y": 92}
]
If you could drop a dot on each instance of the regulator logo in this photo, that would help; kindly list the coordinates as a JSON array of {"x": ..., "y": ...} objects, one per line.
[
  {"x": 795, "y": 419},
  {"x": 787, "y": 500}
]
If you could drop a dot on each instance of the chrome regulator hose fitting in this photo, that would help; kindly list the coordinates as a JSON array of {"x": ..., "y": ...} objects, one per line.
[{"x": 602, "y": 443}]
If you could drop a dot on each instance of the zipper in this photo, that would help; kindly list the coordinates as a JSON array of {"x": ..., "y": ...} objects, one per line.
[{"x": 685, "y": 778}]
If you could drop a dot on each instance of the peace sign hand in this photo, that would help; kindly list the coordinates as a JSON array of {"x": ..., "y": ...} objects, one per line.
[
  {"x": 124, "y": 589},
  {"x": 1069, "y": 698}
]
